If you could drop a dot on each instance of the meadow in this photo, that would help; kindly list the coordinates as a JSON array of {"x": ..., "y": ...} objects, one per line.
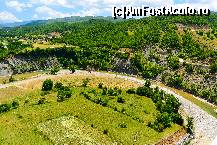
[{"x": 54, "y": 122}]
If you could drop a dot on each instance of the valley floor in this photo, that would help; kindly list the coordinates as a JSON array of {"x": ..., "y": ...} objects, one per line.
[{"x": 205, "y": 124}]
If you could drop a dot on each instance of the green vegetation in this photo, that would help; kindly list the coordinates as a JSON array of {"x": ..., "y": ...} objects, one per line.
[
  {"x": 190, "y": 125},
  {"x": 179, "y": 51},
  {"x": 206, "y": 107},
  {"x": 116, "y": 115},
  {"x": 47, "y": 85}
]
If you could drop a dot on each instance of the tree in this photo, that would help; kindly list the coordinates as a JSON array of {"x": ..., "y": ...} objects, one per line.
[
  {"x": 72, "y": 68},
  {"x": 173, "y": 62},
  {"x": 213, "y": 67},
  {"x": 54, "y": 70},
  {"x": 190, "y": 125},
  {"x": 170, "y": 40},
  {"x": 47, "y": 85}
]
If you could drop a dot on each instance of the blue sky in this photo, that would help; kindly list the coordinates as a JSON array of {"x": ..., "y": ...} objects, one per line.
[{"x": 23, "y": 10}]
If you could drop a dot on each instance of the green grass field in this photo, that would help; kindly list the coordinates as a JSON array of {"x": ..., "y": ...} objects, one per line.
[{"x": 43, "y": 124}]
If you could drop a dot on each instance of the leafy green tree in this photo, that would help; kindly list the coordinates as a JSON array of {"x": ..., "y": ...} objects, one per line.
[
  {"x": 72, "y": 68},
  {"x": 213, "y": 67},
  {"x": 54, "y": 70},
  {"x": 170, "y": 40},
  {"x": 190, "y": 125},
  {"x": 173, "y": 62},
  {"x": 47, "y": 85}
]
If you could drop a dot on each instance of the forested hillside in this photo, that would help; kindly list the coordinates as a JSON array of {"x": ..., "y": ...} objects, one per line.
[{"x": 178, "y": 51}]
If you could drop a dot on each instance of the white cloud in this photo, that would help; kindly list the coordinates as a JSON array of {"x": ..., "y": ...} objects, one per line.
[
  {"x": 62, "y": 3},
  {"x": 211, "y": 4},
  {"x": 6, "y": 17},
  {"x": 48, "y": 13},
  {"x": 104, "y": 7},
  {"x": 17, "y": 5}
]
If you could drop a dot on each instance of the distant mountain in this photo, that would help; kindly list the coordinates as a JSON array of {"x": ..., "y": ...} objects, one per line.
[
  {"x": 71, "y": 19},
  {"x": 66, "y": 19},
  {"x": 15, "y": 24}
]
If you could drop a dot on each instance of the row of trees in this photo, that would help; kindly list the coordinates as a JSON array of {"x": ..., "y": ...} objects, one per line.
[{"x": 166, "y": 104}]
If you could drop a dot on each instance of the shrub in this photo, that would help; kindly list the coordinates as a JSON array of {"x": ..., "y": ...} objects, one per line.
[
  {"x": 123, "y": 125},
  {"x": 11, "y": 79},
  {"x": 213, "y": 67},
  {"x": 72, "y": 68},
  {"x": 85, "y": 82},
  {"x": 47, "y": 85},
  {"x": 173, "y": 62},
  {"x": 54, "y": 70},
  {"x": 4, "y": 108},
  {"x": 151, "y": 70},
  {"x": 189, "y": 68},
  {"x": 190, "y": 125},
  {"x": 120, "y": 100},
  {"x": 58, "y": 85},
  {"x": 177, "y": 118},
  {"x": 8, "y": 107},
  {"x": 41, "y": 101},
  {"x": 144, "y": 91},
  {"x": 175, "y": 81},
  {"x": 104, "y": 102},
  {"x": 100, "y": 85},
  {"x": 131, "y": 91},
  {"x": 163, "y": 121},
  {"x": 64, "y": 94},
  {"x": 14, "y": 105},
  {"x": 105, "y": 131},
  {"x": 112, "y": 92},
  {"x": 104, "y": 91}
]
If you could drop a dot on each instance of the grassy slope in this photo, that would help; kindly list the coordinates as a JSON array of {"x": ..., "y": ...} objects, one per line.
[{"x": 19, "y": 126}]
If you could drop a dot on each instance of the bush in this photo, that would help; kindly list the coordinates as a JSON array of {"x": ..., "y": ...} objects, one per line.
[
  {"x": 163, "y": 121},
  {"x": 5, "y": 108},
  {"x": 8, "y": 107},
  {"x": 11, "y": 79},
  {"x": 177, "y": 118},
  {"x": 151, "y": 70},
  {"x": 175, "y": 81},
  {"x": 131, "y": 91},
  {"x": 190, "y": 125},
  {"x": 113, "y": 92},
  {"x": 47, "y": 85},
  {"x": 123, "y": 125},
  {"x": 100, "y": 85},
  {"x": 173, "y": 62},
  {"x": 14, "y": 105},
  {"x": 144, "y": 91},
  {"x": 189, "y": 68},
  {"x": 85, "y": 82},
  {"x": 58, "y": 85},
  {"x": 105, "y": 131},
  {"x": 54, "y": 70},
  {"x": 64, "y": 94},
  {"x": 41, "y": 101},
  {"x": 213, "y": 67},
  {"x": 104, "y": 91},
  {"x": 72, "y": 68},
  {"x": 120, "y": 100}
]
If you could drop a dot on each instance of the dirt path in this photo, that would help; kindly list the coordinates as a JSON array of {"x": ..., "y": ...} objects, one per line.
[{"x": 205, "y": 124}]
